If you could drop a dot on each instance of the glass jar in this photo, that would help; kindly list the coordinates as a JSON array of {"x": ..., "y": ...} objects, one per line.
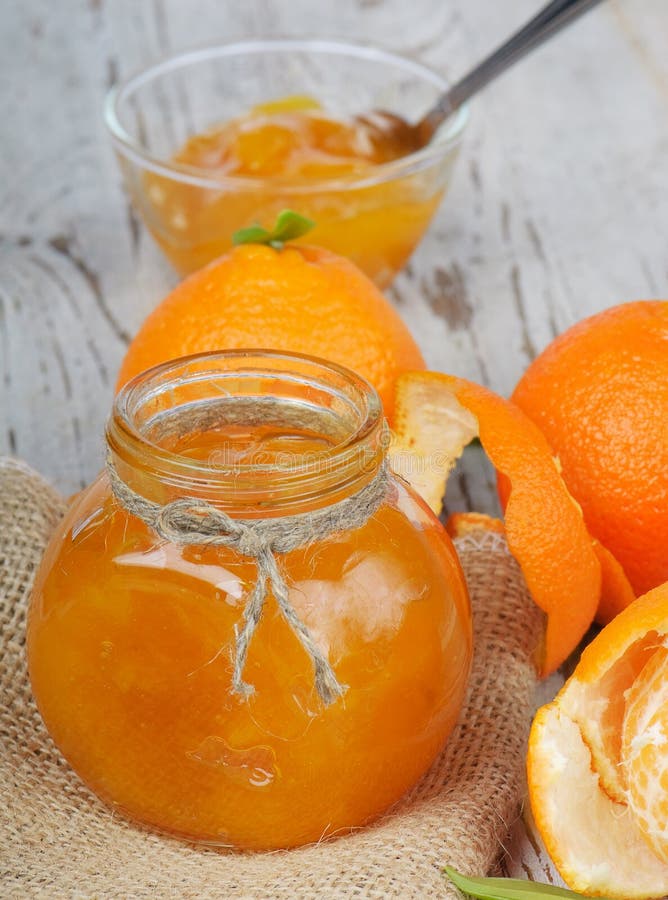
[{"x": 134, "y": 635}]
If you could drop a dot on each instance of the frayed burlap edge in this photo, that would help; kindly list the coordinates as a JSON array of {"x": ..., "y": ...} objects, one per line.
[{"x": 58, "y": 841}]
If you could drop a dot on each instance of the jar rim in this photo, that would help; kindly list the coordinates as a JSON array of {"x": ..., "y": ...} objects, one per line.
[{"x": 205, "y": 380}]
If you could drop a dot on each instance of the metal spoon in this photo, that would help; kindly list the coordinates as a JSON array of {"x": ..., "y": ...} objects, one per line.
[{"x": 411, "y": 137}]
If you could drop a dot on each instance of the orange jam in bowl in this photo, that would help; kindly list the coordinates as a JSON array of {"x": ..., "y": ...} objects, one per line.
[
  {"x": 205, "y": 151},
  {"x": 133, "y": 633}
]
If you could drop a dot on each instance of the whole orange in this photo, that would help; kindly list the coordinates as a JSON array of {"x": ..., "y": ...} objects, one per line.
[
  {"x": 599, "y": 393},
  {"x": 304, "y": 299}
]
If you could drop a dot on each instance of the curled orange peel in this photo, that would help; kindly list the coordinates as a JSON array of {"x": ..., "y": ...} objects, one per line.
[
  {"x": 616, "y": 590},
  {"x": 435, "y": 416},
  {"x": 460, "y": 524}
]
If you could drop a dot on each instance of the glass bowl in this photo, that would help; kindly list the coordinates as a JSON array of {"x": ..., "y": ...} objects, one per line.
[{"x": 376, "y": 218}]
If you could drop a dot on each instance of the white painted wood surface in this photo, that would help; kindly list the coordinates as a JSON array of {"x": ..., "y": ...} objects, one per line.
[{"x": 559, "y": 205}]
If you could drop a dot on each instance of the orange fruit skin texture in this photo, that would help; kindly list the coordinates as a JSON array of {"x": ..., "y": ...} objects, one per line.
[
  {"x": 544, "y": 528},
  {"x": 305, "y": 300},
  {"x": 616, "y": 590},
  {"x": 599, "y": 393}
]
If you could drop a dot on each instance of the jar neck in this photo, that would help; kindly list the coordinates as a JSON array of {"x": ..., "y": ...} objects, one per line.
[{"x": 254, "y": 433}]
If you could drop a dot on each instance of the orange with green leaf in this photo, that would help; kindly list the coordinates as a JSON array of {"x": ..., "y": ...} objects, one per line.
[{"x": 295, "y": 298}]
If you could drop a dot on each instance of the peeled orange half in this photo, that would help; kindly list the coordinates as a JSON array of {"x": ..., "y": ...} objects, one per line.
[
  {"x": 435, "y": 416},
  {"x": 598, "y": 760}
]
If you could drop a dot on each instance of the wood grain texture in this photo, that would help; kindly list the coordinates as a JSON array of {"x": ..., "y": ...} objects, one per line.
[{"x": 558, "y": 207}]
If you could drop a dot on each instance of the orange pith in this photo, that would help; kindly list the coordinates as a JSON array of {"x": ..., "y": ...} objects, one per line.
[
  {"x": 598, "y": 758},
  {"x": 304, "y": 300},
  {"x": 599, "y": 393},
  {"x": 543, "y": 525}
]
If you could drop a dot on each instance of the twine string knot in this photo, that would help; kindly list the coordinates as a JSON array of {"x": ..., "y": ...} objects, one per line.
[{"x": 192, "y": 521}]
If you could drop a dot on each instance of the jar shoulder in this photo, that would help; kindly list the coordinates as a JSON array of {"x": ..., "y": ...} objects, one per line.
[{"x": 402, "y": 553}]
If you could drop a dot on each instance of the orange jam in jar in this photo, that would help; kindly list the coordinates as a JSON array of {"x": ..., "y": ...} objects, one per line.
[
  {"x": 292, "y": 154},
  {"x": 181, "y": 673}
]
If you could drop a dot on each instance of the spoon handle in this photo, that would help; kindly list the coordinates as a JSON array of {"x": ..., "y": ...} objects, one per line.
[{"x": 551, "y": 19}]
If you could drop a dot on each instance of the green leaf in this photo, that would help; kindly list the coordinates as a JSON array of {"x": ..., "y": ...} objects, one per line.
[
  {"x": 254, "y": 234},
  {"x": 289, "y": 226},
  {"x": 507, "y": 888}
]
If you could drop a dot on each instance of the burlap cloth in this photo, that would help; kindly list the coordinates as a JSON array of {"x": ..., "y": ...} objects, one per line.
[{"x": 58, "y": 841}]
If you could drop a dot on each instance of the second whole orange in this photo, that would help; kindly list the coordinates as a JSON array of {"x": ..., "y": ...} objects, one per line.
[
  {"x": 300, "y": 299},
  {"x": 599, "y": 394}
]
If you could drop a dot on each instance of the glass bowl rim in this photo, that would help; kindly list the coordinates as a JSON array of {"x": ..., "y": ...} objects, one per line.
[{"x": 389, "y": 171}]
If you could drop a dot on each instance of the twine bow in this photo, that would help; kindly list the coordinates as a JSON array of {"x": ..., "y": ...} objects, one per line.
[{"x": 193, "y": 521}]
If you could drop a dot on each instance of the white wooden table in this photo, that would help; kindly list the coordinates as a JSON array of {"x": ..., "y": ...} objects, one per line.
[{"x": 559, "y": 205}]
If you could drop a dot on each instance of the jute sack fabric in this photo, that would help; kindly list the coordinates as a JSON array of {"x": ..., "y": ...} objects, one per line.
[{"x": 58, "y": 841}]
